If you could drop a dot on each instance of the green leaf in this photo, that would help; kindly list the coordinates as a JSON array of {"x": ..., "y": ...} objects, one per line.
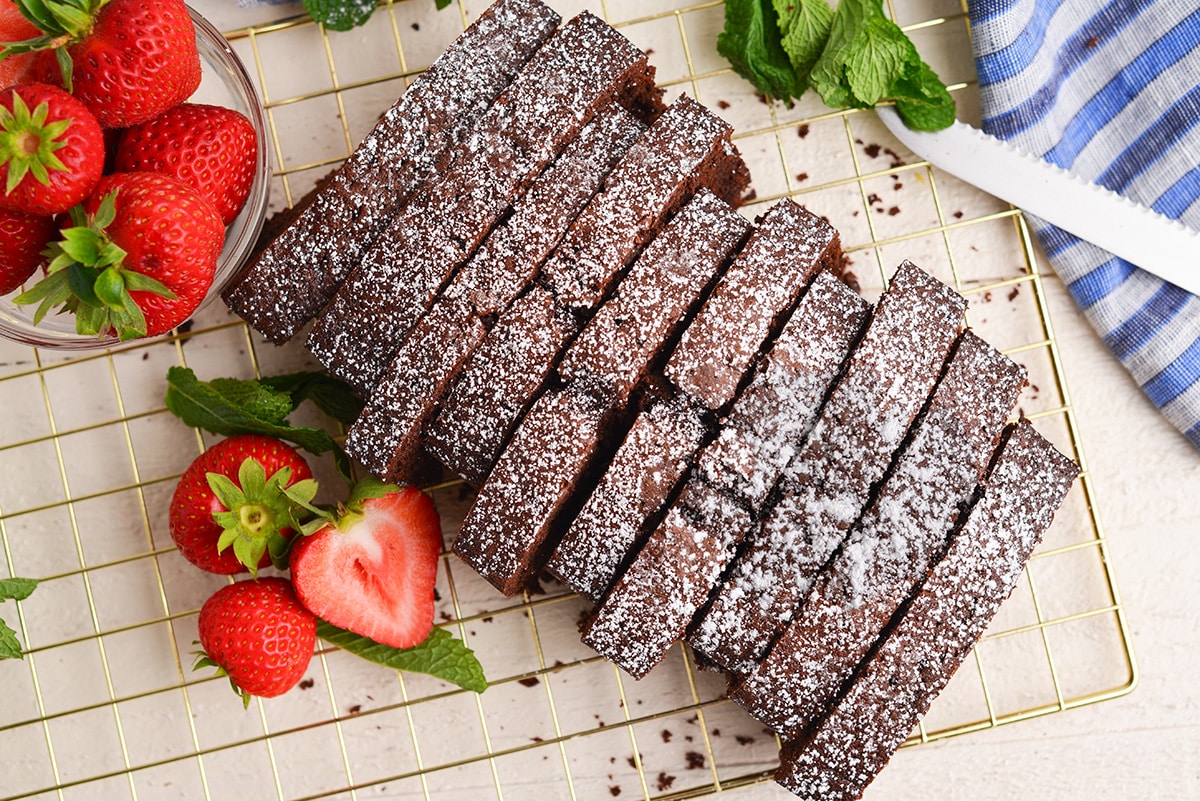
[
  {"x": 367, "y": 488},
  {"x": 877, "y": 60},
  {"x": 17, "y": 589},
  {"x": 255, "y": 399},
  {"x": 751, "y": 42},
  {"x": 110, "y": 288},
  {"x": 10, "y": 646},
  {"x": 340, "y": 15},
  {"x": 442, "y": 4},
  {"x": 81, "y": 243},
  {"x": 228, "y": 493},
  {"x": 135, "y": 281},
  {"x": 804, "y": 25},
  {"x": 923, "y": 101},
  {"x": 331, "y": 395},
  {"x": 440, "y": 655}
]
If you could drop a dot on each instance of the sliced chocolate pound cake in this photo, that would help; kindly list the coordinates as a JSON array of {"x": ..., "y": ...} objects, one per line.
[
  {"x": 790, "y": 246},
  {"x": 852, "y": 740},
  {"x": 826, "y": 487},
  {"x": 296, "y": 276},
  {"x": 386, "y": 439},
  {"x": 889, "y": 552},
  {"x": 582, "y": 69},
  {"x": 652, "y": 603},
  {"x": 511, "y": 365},
  {"x": 770, "y": 420},
  {"x": 629, "y": 499},
  {"x": 610, "y": 358}
]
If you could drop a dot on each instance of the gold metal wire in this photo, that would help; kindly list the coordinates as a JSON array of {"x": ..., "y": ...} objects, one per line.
[{"x": 560, "y": 740}]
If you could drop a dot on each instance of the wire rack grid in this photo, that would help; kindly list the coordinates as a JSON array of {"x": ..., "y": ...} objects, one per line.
[{"x": 105, "y": 706}]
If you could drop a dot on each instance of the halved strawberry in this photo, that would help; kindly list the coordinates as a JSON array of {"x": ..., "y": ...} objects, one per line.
[{"x": 372, "y": 570}]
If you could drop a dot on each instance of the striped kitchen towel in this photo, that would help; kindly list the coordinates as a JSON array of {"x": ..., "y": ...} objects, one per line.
[{"x": 1109, "y": 89}]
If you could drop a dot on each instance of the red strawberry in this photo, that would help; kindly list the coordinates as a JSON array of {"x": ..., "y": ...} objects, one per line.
[
  {"x": 210, "y": 148},
  {"x": 51, "y": 149},
  {"x": 126, "y": 60},
  {"x": 17, "y": 68},
  {"x": 23, "y": 237},
  {"x": 258, "y": 634},
  {"x": 141, "y": 261},
  {"x": 372, "y": 571},
  {"x": 229, "y": 513}
]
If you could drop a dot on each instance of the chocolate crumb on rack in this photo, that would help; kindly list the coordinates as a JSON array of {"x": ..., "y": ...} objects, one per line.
[
  {"x": 855, "y": 737},
  {"x": 291, "y": 280},
  {"x": 583, "y": 68},
  {"x": 889, "y": 552},
  {"x": 890, "y": 374},
  {"x": 685, "y": 149},
  {"x": 386, "y": 438}
]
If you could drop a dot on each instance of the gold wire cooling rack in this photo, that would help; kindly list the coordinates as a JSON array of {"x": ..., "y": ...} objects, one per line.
[{"x": 105, "y": 706}]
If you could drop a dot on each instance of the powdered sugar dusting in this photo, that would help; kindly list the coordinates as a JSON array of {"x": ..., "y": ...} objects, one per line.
[
  {"x": 652, "y": 604},
  {"x": 386, "y": 437},
  {"x": 826, "y": 486},
  {"x": 770, "y": 420},
  {"x": 504, "y": 529},
  {"x": 863, "y": 728},
  {"x": 568, "y": 80},
  {"x": 298, "y": 274},
  {"x": 890, "y": 550},
  {"x": 644, "y": 470},
  {"x": 768, "y": 276}
]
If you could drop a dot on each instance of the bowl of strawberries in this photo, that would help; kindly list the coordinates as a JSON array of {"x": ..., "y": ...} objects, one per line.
[{"x": 134, "y": 173}]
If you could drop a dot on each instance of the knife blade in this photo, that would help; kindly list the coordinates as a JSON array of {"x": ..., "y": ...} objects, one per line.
[{"x": 1127, "y": 229}]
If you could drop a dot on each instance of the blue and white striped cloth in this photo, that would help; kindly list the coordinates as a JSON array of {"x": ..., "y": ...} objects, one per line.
[{"x": 1109, "y": 89}]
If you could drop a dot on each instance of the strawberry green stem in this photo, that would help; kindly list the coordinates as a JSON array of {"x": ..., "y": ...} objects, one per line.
[{"x": 28, "y": 142}]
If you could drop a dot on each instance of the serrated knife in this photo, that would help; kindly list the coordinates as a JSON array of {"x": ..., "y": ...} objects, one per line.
[{"x": 1114, "y": 223}]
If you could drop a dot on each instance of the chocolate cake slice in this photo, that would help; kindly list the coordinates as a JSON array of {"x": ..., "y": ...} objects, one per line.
[
  {"x": 293, "y": 279},
  {"x": 522, "y": 500},
  {"x": 771, "y": 418},
  {"x": 790, "y": 246},
  {"x": 767, "y": 422},
  {"x": 655, "y": 599},
  {"x": 855, "y": 737},
  {"x": 660, "y": 172},
  {"x": 592, "y": 551},
  {"x": 889, "y": 552},
  {"x": 386, "y": 439},
  {"x": 826, "y": 487},
  {"x": 581, "y": 70},
  {"x": 637, "y": 482}
]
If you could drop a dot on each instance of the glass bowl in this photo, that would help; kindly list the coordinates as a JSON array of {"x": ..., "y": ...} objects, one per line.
[{"x": 224, "y": 82}]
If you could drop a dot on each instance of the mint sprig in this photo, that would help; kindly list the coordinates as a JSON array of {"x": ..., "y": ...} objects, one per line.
[
  {"x": 854, "y": 57},
  {"x": 440, "y": 655},
  {"x": 13, "y": 589},
  {"x": 230, "y": 406},
  {"x": 342, "y": 15}
]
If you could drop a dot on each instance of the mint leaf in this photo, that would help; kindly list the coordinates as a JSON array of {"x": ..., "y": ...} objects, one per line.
[
  {"x": 16, "y": 589},
  {"x": 10, "y": 646},
  {"x": 231, "y": 406},
  {"x": 13, "y": 589},
  {"x": 441, "y": 655},
  {"x": 331, "y": 395},
  {"x": 853, "y": 57},
  {"x": 751, "y": 42},
  {"x": 923, "y": 101},
  {"x": 877, "y": 60},
  {"x": 340, "y": 15},
  {"x": 804, "y": 25}
]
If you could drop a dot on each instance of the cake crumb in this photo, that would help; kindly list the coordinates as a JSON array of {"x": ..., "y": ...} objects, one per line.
[
  {"x": 743, "y": 739},
  {"x": 614, "y": 790},
  {"x": 695, "y": 760},
  {"x": 664, "y": 781},
  {"x": 666, "y": 735},
  {"x": 722, "y": 104},
  {"x": 802, "y": 130},
  {"x": 307, "y": 684},
  {"x": 529, "y": 681},
  {"x": 801, "y": 176}
]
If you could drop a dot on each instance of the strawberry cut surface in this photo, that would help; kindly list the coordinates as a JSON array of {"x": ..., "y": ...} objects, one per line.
[{"x": 374, "y": 572}]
